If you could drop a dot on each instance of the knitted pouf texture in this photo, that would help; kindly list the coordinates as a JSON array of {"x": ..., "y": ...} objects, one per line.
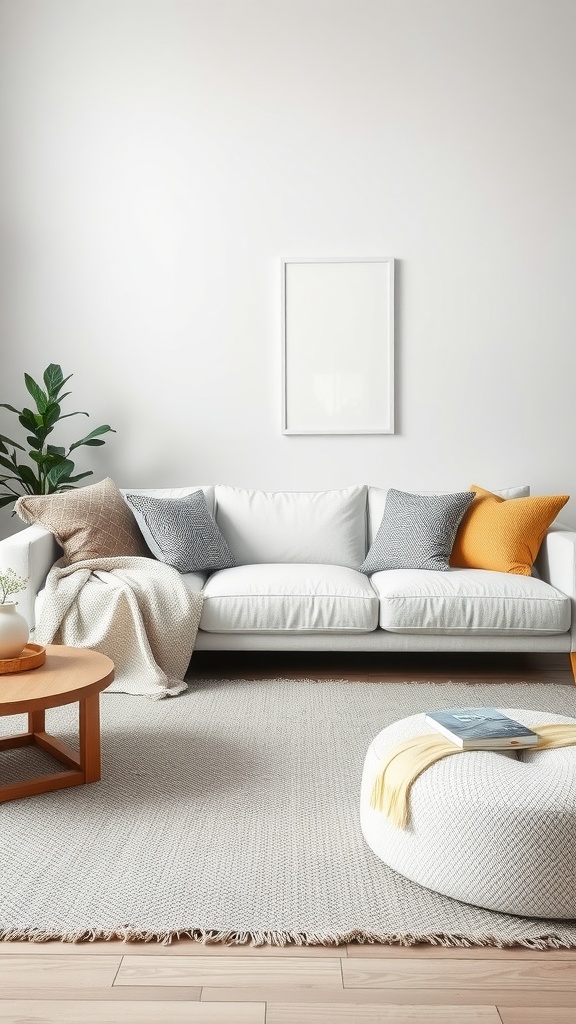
[{"x": 493, "y": 828}]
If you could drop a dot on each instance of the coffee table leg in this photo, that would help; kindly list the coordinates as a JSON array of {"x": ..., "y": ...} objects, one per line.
[
  {"x": 90, "y": 737},
  {"x": 36, "y": 721}
]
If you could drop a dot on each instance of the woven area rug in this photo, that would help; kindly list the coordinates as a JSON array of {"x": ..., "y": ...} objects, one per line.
[{"x": 230, "y": 813}]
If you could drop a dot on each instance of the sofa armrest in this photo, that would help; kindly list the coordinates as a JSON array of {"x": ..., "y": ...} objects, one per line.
[
  {"x": 31, "y": 553},
  {"x": 556, "y": 565}
]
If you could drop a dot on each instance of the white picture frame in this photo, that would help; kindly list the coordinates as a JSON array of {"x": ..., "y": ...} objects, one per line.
[{"x": 337, "y": 345}]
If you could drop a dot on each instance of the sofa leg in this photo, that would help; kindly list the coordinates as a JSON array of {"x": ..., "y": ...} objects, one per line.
[{"x": 573, "y": 664}]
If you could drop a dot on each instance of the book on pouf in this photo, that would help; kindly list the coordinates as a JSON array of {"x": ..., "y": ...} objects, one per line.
[{"x": 481, "y": 729}]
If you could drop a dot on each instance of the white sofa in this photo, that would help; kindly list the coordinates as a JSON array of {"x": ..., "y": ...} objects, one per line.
[{"x": 296, "y": 584}]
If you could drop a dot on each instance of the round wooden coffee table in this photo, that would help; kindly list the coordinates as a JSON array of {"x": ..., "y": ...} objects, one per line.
[{"x": 69, "y": 674}]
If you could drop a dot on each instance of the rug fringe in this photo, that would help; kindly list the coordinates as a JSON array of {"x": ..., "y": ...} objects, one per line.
[
  {"x": 313, "y": 679},
  {"x": 280, "y": 938}
]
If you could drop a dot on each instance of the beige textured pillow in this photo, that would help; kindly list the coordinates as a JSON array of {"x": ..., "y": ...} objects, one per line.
[{"x": 92, "y": 522}]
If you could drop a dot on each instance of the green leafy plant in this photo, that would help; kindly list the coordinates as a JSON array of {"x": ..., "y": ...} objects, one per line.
[
  {"x": 11, "y": 583},
  {"x": 51, "y": 467}
]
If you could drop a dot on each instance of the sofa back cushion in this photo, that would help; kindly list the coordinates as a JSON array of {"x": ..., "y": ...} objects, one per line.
[
  {"x": 293, "y": 526},
  {"x": 377, "y": 501}
]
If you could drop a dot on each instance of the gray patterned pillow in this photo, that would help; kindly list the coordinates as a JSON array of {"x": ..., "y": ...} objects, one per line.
[
  {"x": 181, "y": 532},
  {"x": 417, "y": 531}
]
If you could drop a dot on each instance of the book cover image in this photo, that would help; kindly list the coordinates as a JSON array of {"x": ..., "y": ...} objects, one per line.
[{"x": 485, "y": 724}]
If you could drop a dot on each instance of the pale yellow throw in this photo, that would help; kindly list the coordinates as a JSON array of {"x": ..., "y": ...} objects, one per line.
[{"x": 402, "y": 765}]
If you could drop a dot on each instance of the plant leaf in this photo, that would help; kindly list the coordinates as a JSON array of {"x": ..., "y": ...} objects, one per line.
[
  {"x": 39, "y": 396},
  {"x": 28, "y": 420},
  {"x": 5, "y": 499},
  {"x": 46, "y": 459},
  {"x": 28, "y": 479},
  {"x": 66, "y": 415},
  {"x": 89, "y": 439},
  {"x": 53, "y": 379},
  {"x": 4, "y": 405},
  {"x": 60, "y": 473},
  {"x": 13, "y": 444},
  {"x": 79, "y": 476},
  {"x": 53, "y": 450},
  {"x": 7, "y": 465},
  {"x": 51, "y": 416}
]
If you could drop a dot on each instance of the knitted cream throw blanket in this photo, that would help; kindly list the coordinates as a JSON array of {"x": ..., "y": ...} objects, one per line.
[
  {"x": 402, "y": 765},
  {"x": 136, "y": 610}
]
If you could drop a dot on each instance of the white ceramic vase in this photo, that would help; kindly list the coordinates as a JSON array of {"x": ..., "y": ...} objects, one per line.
[{"x": 14, "y": 630}]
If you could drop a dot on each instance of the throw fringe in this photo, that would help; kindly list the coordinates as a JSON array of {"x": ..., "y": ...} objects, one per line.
[
  {"x": 402, "y": 764},
  {"x": 283, "y": 938}
]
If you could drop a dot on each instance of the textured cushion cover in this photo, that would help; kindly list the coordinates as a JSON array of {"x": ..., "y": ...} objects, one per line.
[
  {"x": 181, "y": 532},
  {"x": 495, "y": 829},
  {"x": 468, "y": 602},
  {"x": 91, "y": 522},
  {"x": 417, "y": 531},
  {"x": 193, "y": 581},
  {"x": 294, "y": 526},
  {"x": 289, "y": 597},
  {"x": 504, "y": 535},
  {"x": 377, "y": 502},
  {"x": 174, "y": 492}
]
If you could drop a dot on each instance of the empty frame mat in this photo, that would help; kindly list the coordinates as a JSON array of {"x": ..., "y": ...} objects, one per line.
[{"x": 338, "y": 335}]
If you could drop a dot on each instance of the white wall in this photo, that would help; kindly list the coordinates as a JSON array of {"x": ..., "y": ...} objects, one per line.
[{"x": 160, "y": 156}]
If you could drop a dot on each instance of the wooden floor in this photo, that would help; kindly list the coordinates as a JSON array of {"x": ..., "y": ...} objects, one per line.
[
  {"x": 386, "y": 667},
  {"x": 118, "y": 983}
]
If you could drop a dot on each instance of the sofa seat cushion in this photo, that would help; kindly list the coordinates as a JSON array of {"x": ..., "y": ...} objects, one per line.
[
  {"x": 469, "y": 601},
  {"x": 289, "y": 598}
]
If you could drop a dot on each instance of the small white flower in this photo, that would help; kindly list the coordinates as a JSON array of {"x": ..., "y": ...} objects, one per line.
[{"x": 10, "y": 583}]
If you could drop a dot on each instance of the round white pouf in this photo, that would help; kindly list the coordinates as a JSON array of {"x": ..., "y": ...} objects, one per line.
[{"x": 495, "y": 829}]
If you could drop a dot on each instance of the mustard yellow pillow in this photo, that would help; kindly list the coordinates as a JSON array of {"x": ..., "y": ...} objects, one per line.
[{"x": 504, "y": 534}]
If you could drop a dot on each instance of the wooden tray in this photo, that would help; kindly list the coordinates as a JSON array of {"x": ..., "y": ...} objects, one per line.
[{"x": 32, "y": 656}]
